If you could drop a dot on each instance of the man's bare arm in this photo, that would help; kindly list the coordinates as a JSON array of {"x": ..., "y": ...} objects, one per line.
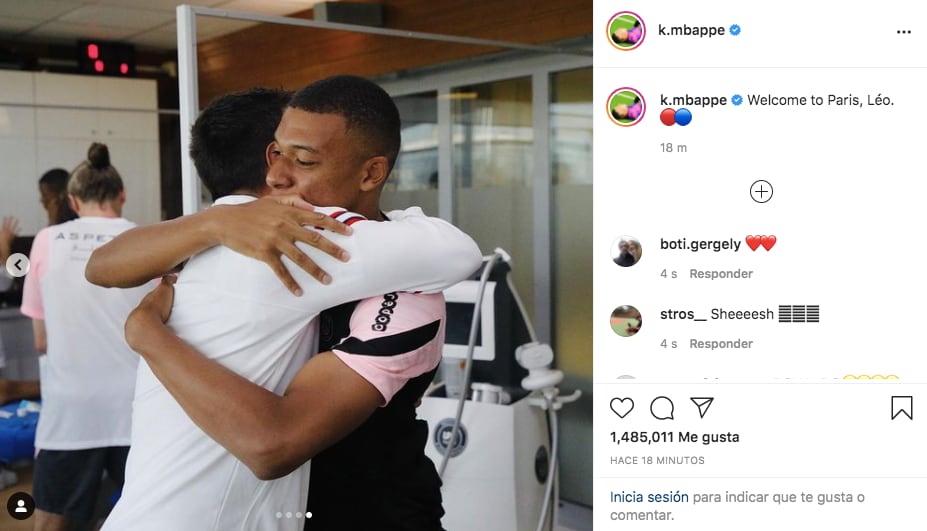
[
  {"x": 38, "y": 334},
  {"x": 144, "y": 253},
  {"x": 9, "y": 228},
  {"x": 271, "y": 434},
  {"x": 266, "y": 229}
]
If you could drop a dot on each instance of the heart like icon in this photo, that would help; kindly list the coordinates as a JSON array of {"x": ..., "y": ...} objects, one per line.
[
  {"x": 753, "y": 242},
  {"x": 621, "y": 406}
]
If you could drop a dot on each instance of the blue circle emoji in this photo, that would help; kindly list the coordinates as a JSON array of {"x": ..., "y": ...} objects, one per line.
[{"x": 683, "y": 116}]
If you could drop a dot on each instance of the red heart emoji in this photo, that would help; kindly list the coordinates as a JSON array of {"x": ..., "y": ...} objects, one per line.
[
  {"x": 753, "y": 242},
  {"x": 767, "y": 242}
]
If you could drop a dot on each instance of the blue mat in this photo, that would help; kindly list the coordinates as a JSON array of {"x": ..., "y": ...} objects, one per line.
[{"x": 17, "y": 435}]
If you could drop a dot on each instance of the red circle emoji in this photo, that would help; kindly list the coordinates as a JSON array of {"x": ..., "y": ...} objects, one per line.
[{"x": 668, "y": 116}]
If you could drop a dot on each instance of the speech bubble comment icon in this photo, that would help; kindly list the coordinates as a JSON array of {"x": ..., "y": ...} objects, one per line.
[
  {"x": 662, "y": 408},
  {"x": 621, "y": 406}
]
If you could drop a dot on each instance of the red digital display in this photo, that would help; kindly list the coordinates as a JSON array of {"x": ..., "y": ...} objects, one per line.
[{"x": 105, "y": 58}]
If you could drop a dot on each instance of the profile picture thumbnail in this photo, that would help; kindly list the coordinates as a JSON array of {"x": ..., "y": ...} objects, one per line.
[
  {"x": 626, "y": 30},
  {"x": 626, "y": 321},
  {"x": 626, "y": 106},
  {"x": 626, "y": 251}
]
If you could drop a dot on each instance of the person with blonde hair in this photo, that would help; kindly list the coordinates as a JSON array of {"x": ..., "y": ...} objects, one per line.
[{"x": 88, "y": 370}]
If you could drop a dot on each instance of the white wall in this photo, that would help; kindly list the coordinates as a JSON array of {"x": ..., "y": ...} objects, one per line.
[{"x": 49, "y": 120}]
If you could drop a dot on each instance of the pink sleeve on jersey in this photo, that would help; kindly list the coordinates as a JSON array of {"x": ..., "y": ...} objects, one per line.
[
  {"x": 32, "y": 292},
  {"x": 394, "y": 338}
]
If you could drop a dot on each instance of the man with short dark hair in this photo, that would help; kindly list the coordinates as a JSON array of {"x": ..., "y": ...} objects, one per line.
[
  {"x": 228, "y": 140},
  {"x": 384, "y": 456}
]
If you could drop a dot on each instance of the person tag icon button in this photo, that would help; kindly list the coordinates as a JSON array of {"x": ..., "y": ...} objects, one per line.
[{"x": 20, "y": 505}]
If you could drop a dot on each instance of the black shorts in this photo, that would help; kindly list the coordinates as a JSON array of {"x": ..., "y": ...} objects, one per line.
[{"x": 66, "y": 482}]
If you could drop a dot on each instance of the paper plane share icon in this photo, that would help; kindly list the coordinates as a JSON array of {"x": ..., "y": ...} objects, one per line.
[{"x": 702, "y": 403}]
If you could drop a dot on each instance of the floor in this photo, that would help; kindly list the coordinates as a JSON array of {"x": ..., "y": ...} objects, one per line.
[
  {"x": 7, "y": 523},
  {"x": 572, "y": 517}
]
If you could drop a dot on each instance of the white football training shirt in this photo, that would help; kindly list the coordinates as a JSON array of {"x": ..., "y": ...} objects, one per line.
[{"x": 88, "y": 373}]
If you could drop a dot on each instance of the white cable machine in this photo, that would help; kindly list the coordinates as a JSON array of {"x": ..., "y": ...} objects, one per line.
[
  {"x": 506, "y": 481},
  {"x": 495, "y": 441}
]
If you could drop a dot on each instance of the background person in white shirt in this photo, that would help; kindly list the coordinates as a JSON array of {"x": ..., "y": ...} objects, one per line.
[
  {"x": 53, "y": 195},
  {"x": 233, "y": 310},
  {"x": 88, "y": 372}
]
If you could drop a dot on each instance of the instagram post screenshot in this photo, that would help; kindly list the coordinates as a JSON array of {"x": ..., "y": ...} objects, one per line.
[
  {"x": 297, "y": 265},
  {"x": 757, "y": 329}
]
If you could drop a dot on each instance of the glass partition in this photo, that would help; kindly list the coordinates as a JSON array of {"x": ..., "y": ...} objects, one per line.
[
  {"x": 571, "y": 248},
  {"x": 493, "y": 139},
  {"x": 414, "y": 180}
]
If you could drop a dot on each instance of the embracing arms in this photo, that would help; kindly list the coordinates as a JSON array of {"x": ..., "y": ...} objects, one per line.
[
  {"x": 326, "y": 400},
  {"x": 264, "y": 229},
  {"x": 269, "y": 433},
  {"x": 414, "y": 253}
]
